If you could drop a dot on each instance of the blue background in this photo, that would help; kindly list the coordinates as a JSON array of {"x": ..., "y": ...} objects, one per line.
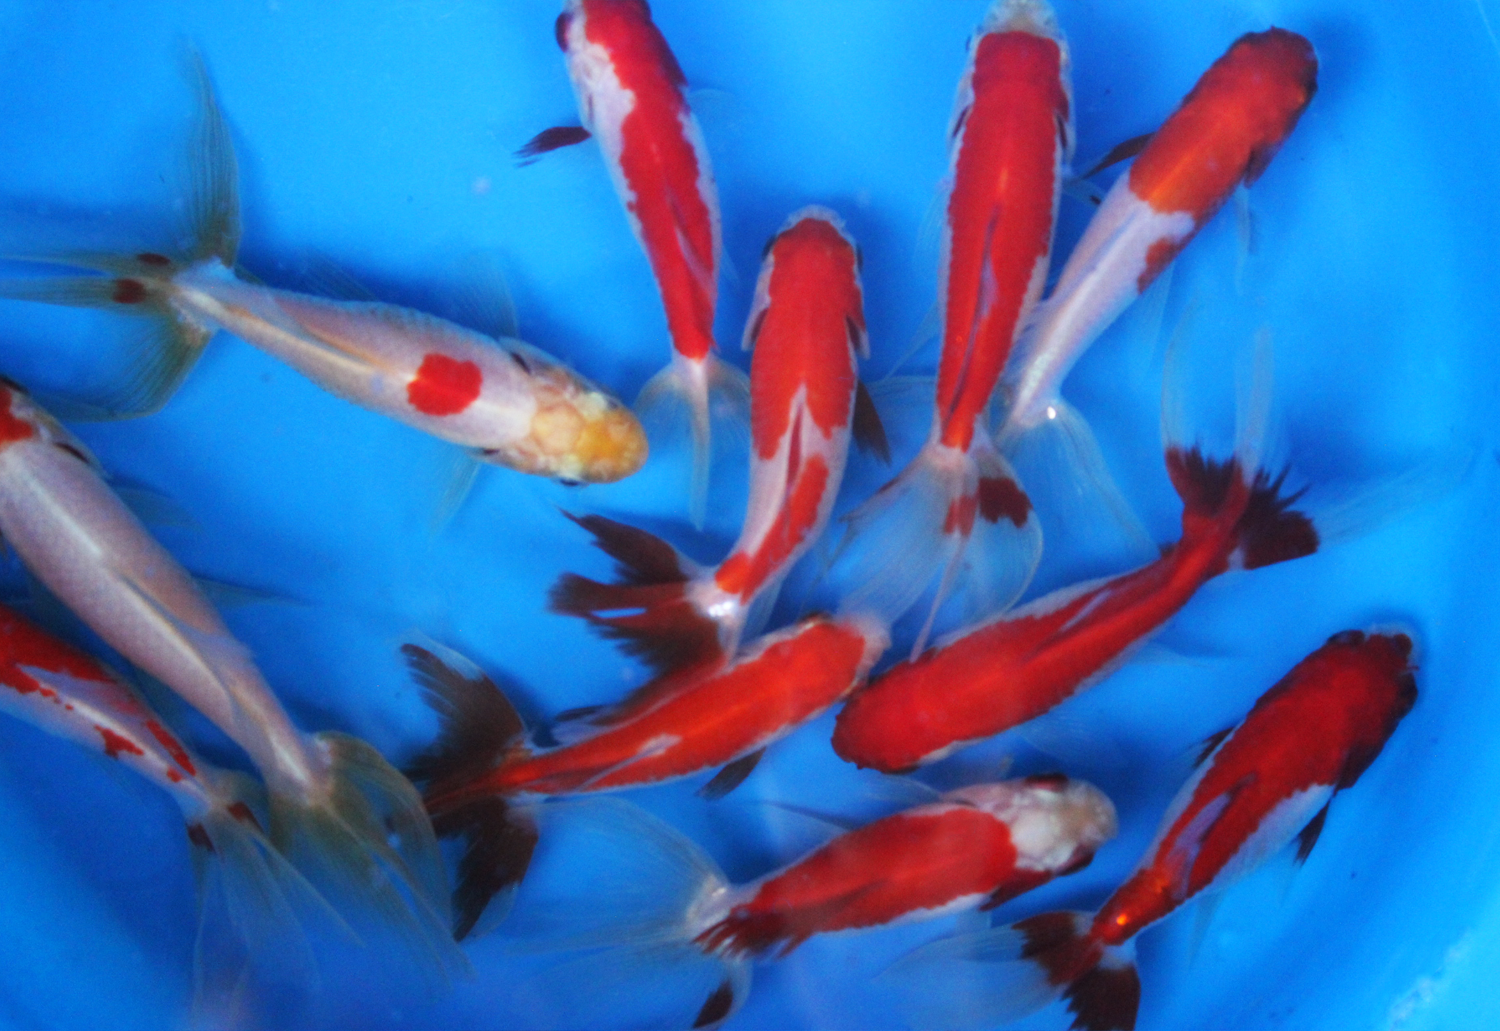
[{"x": 379, "y": 135}]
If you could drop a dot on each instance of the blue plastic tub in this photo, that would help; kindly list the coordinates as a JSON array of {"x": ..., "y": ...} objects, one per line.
[{"x": 378, "y": 137}]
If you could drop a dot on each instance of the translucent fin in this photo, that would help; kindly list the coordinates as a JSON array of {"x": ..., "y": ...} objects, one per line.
[
  {"x": 369, "y": 848},
  {"x": 647, "y": 878},
  {"x": 213, "y": 201},
  {"x": 255, "y": 913},
  {"x": 1071, "y": 485},
  {"x": 970, "y": 981},
  {"x": 1245, "y": 233},
  {"x": 484, "y": 299},
  {"x": 462, "y": 473},
  {"x": 705, "y": 393},
  {"x": 71, "y": 292},
  {"x": 928, "y": 330},
  {"x": 154, "y": 508},
  {"x": 918, "y": 528}
]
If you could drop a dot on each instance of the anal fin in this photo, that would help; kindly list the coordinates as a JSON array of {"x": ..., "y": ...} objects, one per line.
[{"x": 731, "y": 776}]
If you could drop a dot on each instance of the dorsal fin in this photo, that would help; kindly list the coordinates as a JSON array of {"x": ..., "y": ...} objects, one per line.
[
  {"x": 731, "y": 776},
  {"x": 1122, "y": 151}
]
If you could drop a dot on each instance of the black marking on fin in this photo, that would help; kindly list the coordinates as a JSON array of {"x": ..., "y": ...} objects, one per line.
[
  {"x": 1309, "y": 834},
  {"x": 1209, "y": 744},
  {"x": 1122, "y": 151},
  {"x": 731, "y": 776},
  {"x": 582, "y": 712},
  {"x": 869, "y": 431},
  {"x": 716, "y": 1007},
  {"x": 548, "y": 140},
  {"x": 499, "y": 841},
  {"x": 477, "y": 724}
]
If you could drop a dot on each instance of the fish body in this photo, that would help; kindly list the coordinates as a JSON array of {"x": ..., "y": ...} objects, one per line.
[
  {"x": 807, "y": 329},
  {"x": 79, "y": 539},
  {"x": 1012, "y": 668},
  {"x": 705, "y": 717},
  {"x": 338, "y": 811},
  {"x": 979, "y": 846},
  {"x": 1258, "y": 786},
  {"x": 502, "y": 399},
  {"x": 632, "y": 98},
  {"x": 1010, "y": 140},
  {"x": 1222, "y": 136}
]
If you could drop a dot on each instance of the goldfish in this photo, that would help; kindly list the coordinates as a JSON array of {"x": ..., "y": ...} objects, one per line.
[
  {"x": 504, "y": 401},
  {"x": 339, "y": 812},
  {"x": 1221, "y": 137},
  {"x": 976, "y": 847},
  {"x": 632, "y": 98},
  {"x": 1010, "y": 140},
  {"x": 807, "y": 329},
  {"x": 1258, "y": 786},
  {"x": 1013, "y": 667},
  {"x": 68, "y": 693},
  {"x": 721, "y": 712}
]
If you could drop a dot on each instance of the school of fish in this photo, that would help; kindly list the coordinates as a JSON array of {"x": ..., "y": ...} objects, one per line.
[{"x": 318, "y": 828}]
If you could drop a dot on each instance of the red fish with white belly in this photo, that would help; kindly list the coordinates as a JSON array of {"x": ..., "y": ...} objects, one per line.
[
  {"x": 690, "y": 720},
  {"x": 973, "y": 848},
  {"x": 632, "y": 98},
  {"x": 1259, "y": 785},
  {"x": 1222, "y": 136},
  {"x": 1010, "y": 141},
  {"x": 807, "y": 329},
  {"x": 988, "y": 678}
]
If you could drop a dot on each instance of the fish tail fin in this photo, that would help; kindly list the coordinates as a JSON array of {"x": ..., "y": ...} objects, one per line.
[
  {"x": 636, "y": 920},
  {"x": 1002, "y": 975},
  {"x": 253, "y": 953},
  {"x": 366, "y": 844},
  {"x": 647, "y": 608},
  {"x": 138, "y": 283},
  {"x": 478, "y": 729},
  {"x": 918, "y": 528},
  {"x": 705, "y": 392},
  {"x": 1238, "y": 490}
]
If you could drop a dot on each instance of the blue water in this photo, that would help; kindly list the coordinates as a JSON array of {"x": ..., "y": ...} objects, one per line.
[{"x": 378, "y": 136}]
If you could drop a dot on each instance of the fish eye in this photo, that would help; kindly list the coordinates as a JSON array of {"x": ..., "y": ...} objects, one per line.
[
  {"x": 1347, "y": 638},
  {"x": 568, "y": 481},
  {"x": 561, "y": 29}
]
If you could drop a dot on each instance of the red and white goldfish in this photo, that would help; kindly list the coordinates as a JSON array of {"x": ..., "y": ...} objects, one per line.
[
  {"x": 718, "y": 713},
  {"x": 335, "y": 804},
  {"x": 807, "y": 328},
  {"x": 632, "y": 97},
  {"x": 1259, "y": 785},
  {"x": 1009, "y": 669},
  {"x": 1011, "y": 138},
  {"x": 1222, "y": 136},
  {"x": 974, "y": 847},
  {"x": 503, "y": 400},
  {"x": 65, "y": 692}
]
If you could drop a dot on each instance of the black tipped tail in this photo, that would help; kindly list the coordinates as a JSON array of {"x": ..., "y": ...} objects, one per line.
[
  {"x": 499, "y": 840},
  {"x": 1269, "y": 529},
  {"x": 647, "y": 610}
]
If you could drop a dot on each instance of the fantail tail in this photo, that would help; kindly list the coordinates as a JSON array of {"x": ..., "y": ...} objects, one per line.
[
  {"x": 706, "y": 391},
  {"x": 1001, "y": 975},
  {"x": 368, "y": 846},
  {"x": 647, "y": 608},
  {"x": 636, "y": 920},
  {"x": 138, "y": 283},
  {"x": 958, "y": 518},
  {"x": 478, "y": 728}
]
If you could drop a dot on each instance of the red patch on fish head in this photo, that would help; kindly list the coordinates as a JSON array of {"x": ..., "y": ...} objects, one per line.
[
  {"x": 11, "y": 427},
  {"x": 444, "y": 386},
  {"x": 114, "y": 743},
  {"x": 1002, "y": 496}
]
